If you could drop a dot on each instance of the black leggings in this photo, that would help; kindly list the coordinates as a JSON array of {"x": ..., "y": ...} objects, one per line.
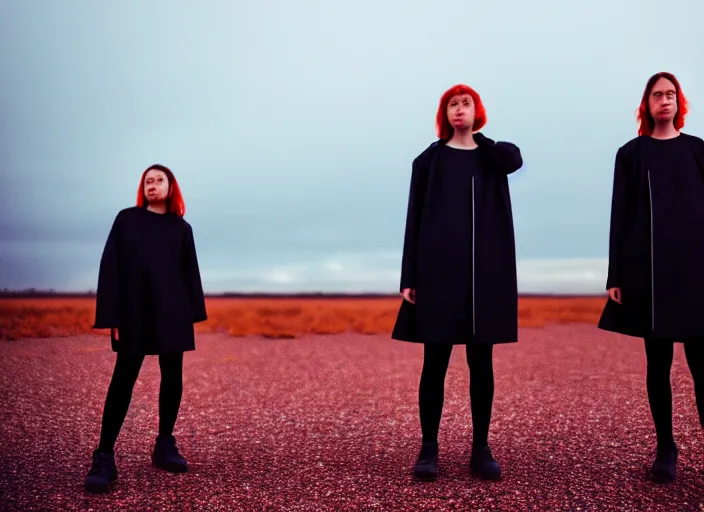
[
  {"x": 659, "y": 354},
  {"x": 431, "y": 393},
  {"x": 119, "y": 395}
]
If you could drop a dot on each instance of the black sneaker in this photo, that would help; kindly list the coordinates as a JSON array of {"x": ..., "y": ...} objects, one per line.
[
  {"x": 483, "y": 464},
  {"x": 665, "y": 465},
  {"x": 102, "y": 472},
  {"x": 166, "y": 456},
  {"x": 426, "y": 467}
]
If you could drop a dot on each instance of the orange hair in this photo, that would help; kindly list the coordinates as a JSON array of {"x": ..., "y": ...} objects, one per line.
[
  {"x": 442, "y": 123},
  {"x": 646, "y": 123},
  {"x": 174, "y": 201}
]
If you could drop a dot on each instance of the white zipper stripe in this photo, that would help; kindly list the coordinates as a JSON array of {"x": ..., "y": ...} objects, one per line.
[
  {"x": 474, "y": 327},
  {"x": 652, "y": 256}
]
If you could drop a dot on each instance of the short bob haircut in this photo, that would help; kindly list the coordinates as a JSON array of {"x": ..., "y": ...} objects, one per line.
[
  {"x": 442, "y": 123},
  {"x": 646, "y": 123},
  {"x": 174, "y": 201}
]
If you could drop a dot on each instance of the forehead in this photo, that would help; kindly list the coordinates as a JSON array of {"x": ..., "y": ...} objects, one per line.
[
  {"x": 461, "y": 97},
  {"x": 155, "y": 173},
  {"x": 663, "y": 85}
]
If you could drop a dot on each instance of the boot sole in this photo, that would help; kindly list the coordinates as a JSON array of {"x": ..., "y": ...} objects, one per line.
[
  {"x": 490, "y": 478},
  {"x": 99, "y": 488},
  {"x": 661, "y": 479},
  {"x": 169, "y": 467},
  {"x": 425, "y": 477}
]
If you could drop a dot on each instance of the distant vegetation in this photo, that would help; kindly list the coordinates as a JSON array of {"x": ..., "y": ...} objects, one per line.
[
  {"x": 50, "y": 292},
  {"x": 35, "y": 292},
  {"x": 35, "y": 316}
]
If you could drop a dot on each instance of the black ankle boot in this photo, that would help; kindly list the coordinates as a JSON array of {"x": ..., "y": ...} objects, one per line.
[
  {"x": 665, "y": 465},
  {"x": 483, "y": 464},
  {"x": 166, "y": 456},
  {"x": 426, "y": 468},
  {"x": 102, "y": 472}
]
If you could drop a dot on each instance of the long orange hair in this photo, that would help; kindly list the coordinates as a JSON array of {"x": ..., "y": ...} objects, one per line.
[
  {"x": 646, "y": 123},
  {"x": 174, "y": 201},
  {"x": 442, "y": 123}
]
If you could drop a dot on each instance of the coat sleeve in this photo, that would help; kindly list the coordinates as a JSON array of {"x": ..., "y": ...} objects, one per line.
[
  {"x": 699, "y": 151},
  {"x": 413, "y": 218},
  {"x": 108, "y": 304},
  {"x": 193, "y": 280},
  {"x": 618, "y": 217},
  {"x": 503, "y": 157}
]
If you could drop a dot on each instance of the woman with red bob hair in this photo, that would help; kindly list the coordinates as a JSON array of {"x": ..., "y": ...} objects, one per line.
[
  {"x": 458, "y": 272},
  {"x": 656, "y": 248},
  {"x": 149, "y": 295}
]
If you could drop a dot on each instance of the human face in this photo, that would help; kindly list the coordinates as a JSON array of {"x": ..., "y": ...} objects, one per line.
[
  {"x": 460, "y": 112},
  {"x": 662, "y": 101},
  {"x": 156, "y": 186}
]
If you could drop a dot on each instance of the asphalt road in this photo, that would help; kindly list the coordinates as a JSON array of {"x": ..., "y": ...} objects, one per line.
[{"x": 331, "y": 423}]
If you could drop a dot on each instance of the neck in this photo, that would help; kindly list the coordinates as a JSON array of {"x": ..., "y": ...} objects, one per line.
[
  {"x": 462, "y": 139},
  {"x": 157, "y": 207},
  {"x": 664, "y": 131}
]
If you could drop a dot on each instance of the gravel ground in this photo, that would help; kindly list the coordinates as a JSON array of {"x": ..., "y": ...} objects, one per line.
[{"x": 331, "y": 423}]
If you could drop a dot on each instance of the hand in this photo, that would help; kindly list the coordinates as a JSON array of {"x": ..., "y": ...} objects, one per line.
[
  {"x": 615, "y": 294},
  {"x": 409, "y": 294},
  {"x": 115, "y": 334}
]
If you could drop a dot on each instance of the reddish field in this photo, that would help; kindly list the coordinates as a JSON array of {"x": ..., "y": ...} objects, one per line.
[{"x": 277, "y": 317}]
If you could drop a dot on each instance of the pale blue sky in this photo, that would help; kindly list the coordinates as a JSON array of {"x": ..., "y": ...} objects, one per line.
[{"x": 291, "y": 127}]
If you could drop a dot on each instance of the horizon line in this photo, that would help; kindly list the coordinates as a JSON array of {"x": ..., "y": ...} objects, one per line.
[{"x": 34, "y": 292}]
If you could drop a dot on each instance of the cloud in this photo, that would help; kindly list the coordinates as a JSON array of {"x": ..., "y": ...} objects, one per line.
[
  {"x": 74, "y": 267},
  {"x": 379, "y": 272},
  {"x": 563, "y": 275},
  {"x": 373, "y": 272}
]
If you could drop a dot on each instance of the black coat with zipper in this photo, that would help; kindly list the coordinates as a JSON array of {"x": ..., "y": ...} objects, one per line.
[
  {"x": 441, "y": 314},
  {"x": 656, "y": 247}
]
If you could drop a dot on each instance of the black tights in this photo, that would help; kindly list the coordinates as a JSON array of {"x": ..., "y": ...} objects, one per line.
[
  {"x": 659, "y": 354},
  {"x": 119, "y": 395},
  {"x": 431, "y": 393}
]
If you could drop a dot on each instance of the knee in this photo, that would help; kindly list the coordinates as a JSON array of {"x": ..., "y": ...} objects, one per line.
[
  {"x": 126, "y": 373},
  {"x": 695, "y": 359},
  {"x": 480, "y": 359},
  {"x": 171, "y": 374}
]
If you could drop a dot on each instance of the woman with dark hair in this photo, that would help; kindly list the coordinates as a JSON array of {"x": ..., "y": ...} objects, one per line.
[
  {"x": 149, "y": 295},
  {"x": 458, "y": 276},
  {"x": 656, "y": 248}
]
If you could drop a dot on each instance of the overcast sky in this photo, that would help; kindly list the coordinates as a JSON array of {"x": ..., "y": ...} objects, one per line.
[{"x": 291, "y": 127}]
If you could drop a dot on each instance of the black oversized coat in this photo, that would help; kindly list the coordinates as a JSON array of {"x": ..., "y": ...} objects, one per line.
[
  {"x": 149, "y": 284},
  {"x": 662, "y": 288},
  {"x": 446, "y": 311}
]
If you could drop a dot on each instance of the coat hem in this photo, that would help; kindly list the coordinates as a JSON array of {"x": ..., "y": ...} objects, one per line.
[
  {"x": 467, "y": 342},
  {"x": 122, "y": 350}
]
